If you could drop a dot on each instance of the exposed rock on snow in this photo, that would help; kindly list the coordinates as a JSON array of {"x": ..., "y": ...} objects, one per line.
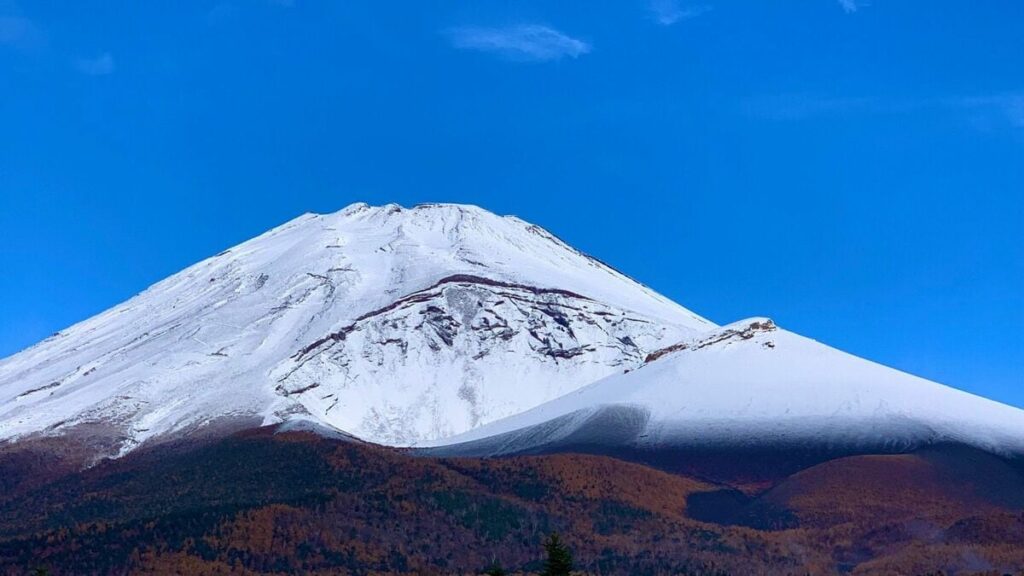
[{"x": 393, "y": 324}]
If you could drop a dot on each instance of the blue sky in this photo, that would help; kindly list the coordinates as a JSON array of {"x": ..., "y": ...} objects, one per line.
[{"x": 854, "y": 170}]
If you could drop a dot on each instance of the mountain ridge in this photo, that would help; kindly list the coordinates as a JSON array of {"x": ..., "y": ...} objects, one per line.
[{"x": 751, "y": 386}]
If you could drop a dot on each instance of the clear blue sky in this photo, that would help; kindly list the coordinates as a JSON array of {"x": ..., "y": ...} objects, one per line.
[{"x": 854, "y": 170}]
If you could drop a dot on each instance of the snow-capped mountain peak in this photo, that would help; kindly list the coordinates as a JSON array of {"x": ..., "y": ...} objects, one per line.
[{"x": 395, "y": 324}]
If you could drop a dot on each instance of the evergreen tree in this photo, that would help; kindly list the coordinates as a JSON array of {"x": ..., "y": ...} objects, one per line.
[{"x": 559, "y": 561}]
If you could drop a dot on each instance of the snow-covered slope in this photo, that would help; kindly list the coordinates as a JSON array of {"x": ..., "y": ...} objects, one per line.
[
  {"x": 396, "y": 325},
  {"x": 753, "y": 385}
]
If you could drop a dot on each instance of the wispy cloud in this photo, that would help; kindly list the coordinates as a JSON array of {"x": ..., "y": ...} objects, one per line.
[
  {"x": 851, "y": 6},
  {"x": 1007, "y": 106},
  {"x": 101, "y": 65},
  {"x": 528, "y": 42},
  {"x": 18, "y": 32},
  {"x": 984, "y": 112},
  {"x": 668, "y": 12}
]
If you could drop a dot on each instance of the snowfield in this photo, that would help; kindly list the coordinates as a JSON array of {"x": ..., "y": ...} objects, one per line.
[
  {"x": 751, "y": 384},
  {"x": 448, "y": 326},
  {"x": 396, "y": 325}
]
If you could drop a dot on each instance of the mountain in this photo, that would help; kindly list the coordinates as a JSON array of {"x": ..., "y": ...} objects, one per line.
[
  {"x": 747, "y": 390},
  {"x": 395, "y": 325},
  {"x": 247, "y": 397}
]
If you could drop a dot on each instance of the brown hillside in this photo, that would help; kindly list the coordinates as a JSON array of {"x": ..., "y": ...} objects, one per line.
[{"x": 265, "y": 503}]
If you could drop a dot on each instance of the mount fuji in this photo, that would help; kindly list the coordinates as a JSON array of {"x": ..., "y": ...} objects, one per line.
[
  {"x": 458, "y": 331},
  {"x": 395, "y": 325}
]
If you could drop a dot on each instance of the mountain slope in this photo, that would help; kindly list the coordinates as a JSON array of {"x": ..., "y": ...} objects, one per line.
[
  {"x": 259, "y": 502},
  {"x": 752, "y": 387},
  {"x": 394, "y": 324},
  {"x": 266, "y": 502}
]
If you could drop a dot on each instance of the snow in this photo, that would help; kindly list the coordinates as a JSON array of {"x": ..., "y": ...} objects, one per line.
[
  {"x": 753, "y": 384},
  {"x": 430, "y": 320},
  {"x": 446, "y": 325}
]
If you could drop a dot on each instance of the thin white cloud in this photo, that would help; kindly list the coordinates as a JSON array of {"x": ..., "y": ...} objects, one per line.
[
  {"x": 1015, "y": 112},
  {"x": 101, "y": 65},
  {"x": 986, "y": 112},
  {"x": 18, "y": 32},
  {"x": 527, "y": 42},
  {"x": 668, "y": 12},
  {"x": 851, "y": 6},
  {"x": 1007, "y": 106},
  {"x": 13, "y": 28}
]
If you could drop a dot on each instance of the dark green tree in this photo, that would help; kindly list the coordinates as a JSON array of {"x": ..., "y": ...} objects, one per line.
[{"x": 559, "y": 561}]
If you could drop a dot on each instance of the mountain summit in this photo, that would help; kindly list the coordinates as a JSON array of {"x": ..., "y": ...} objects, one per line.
[
  {"x": 449, "y": 327},
  {"x": 397, "y": 325}
]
